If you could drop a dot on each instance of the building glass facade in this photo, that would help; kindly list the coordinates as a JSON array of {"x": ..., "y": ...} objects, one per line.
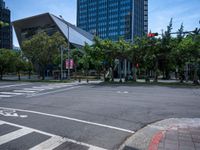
[
  {"x": 5, "y": 32},
  {"x": 113, "y": 19}
]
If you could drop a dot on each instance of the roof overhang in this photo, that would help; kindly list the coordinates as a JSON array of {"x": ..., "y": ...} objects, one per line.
[{"x": 77, "y": 36}]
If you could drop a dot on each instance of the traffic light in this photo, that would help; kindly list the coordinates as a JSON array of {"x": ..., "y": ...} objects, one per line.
[{"x": 152, "y": 34}]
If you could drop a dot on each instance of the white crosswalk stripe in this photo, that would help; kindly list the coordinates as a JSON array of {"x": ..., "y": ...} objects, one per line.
[
  {"x": 53, "y": 142},
  {"x": 14, "y": 135},
  {"x": 32, "y": 89},
  {"x": 4, "y": 96},
  {"x": 14, "y": 85},
  {"x": 11, "y": 93},
  {"x": 42, "y": 87},
  {"x": 24, "y": 91},
  {"x": 35, "y": 89}
]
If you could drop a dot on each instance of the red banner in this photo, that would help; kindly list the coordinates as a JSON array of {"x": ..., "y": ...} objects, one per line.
[{"x": 69, "y": 63}]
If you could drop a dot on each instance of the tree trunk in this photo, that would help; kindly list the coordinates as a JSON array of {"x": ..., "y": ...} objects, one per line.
[
  {"x": 147, "y": 76},
  {"x": 75, "y": 72},
  {"x": 120, "y": 71},
  {"x": 134, "y": 72},
  {"x": 195, "y": 80},
  {"x": 104, "y": 73},
  {"x": 87, "y": 76},
  {"x": 1, "y": 75},
  {"x": 43, "y": 74},
  {"x": 99, "y": 74},
  {"x": 155, "y": 72},
  {"x": 19, "y": 76},
  {"x": 29, "y": 75},
  {"x": 112, "y": 73},
  {"x": 163, "y": 74},
  {"x": 167, "y": 76}
]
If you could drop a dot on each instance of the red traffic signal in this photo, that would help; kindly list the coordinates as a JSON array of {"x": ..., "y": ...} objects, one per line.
[{"x": 152, "y": 34}]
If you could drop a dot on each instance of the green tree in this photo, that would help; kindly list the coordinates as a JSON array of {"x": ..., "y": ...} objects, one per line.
[
  {"x": 179, "y": 58},
  {"x": 42, "y": 49},
  {"x": 180, "y": 34},
  {"x": 86, "y": 59},
  {"x": 122, "y": 48},
  {"x": 110, "y": 54},
  {"x": 136, "y": 54},
  {"x": 189, "y": 48},
  {"x": 7, "y": 59},
  {"x": 104, "y": 55},
  {"x": 166, "y": 48},
  {"x": 152, "y": 55},
  {"x": 19, "y": 65},
  {"x": 76, "y": 55},
  {"x": 29, "y": 68}
]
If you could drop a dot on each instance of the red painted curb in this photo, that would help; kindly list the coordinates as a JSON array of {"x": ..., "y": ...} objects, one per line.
[{"x": 156, "y": 140}]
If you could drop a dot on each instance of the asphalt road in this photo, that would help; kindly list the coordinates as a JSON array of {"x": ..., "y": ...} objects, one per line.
[{"x": 73, "y": 116}]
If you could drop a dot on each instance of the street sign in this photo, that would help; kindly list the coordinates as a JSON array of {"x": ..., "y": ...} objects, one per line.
[{"x": 69, "y": 64}]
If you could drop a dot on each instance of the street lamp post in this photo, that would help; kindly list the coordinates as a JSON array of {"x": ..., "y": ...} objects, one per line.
[
  {"x": 61, "y": 63},
  {"x": 68, "y": 50},
  {"x": 68, "y": 76}
]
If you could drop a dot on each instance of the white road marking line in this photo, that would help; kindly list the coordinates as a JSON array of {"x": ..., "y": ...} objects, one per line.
[
  {"x": 42, "y": 87},
  {"x": 30, "y": 89},
  {"x": 38, "y": 89},
  {"x": 62, "y": 85},
  {"x": 72, "y": 119},
  {"x": 14, "y": 135},
  {"x": 55, "y": 87},
  {"x": 49, "y": 144},
  {"x": 125, "y": 92},
  {"x": 51, "y": 92},
  {"x": 59, "y": 86},
  {"x": 11, "y": 93},
  {"x": 5, "y": 96},
  {"x": 14, "y": 85},
  {"x": 91, "y": 147},
  {"x": 24, "y": 91}
]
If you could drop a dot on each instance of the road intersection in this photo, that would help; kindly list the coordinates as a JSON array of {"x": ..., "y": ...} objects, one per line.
[{"x": 81, "y": 116}]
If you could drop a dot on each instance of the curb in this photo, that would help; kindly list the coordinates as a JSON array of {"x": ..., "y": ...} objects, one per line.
[
  {"x": 149, "y": 137},
  {"x": 156, "y": 140}
]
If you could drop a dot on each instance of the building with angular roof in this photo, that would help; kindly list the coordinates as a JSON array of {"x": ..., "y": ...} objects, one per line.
[{"x": 26, "y": 28}]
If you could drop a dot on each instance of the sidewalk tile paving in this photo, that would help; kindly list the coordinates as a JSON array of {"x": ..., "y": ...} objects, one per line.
[{"x": 180, "y": 139}]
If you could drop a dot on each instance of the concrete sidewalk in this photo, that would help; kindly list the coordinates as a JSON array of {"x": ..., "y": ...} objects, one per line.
[{"x": 169, "y": 134}]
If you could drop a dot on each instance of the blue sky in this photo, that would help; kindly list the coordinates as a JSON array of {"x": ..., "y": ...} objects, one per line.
[{"x": 160, "y": 12}]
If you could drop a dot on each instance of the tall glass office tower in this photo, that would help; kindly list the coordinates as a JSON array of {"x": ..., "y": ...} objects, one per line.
[
  {"x": 113, "y": 19},
  {"x": 5, "y": 32}
]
